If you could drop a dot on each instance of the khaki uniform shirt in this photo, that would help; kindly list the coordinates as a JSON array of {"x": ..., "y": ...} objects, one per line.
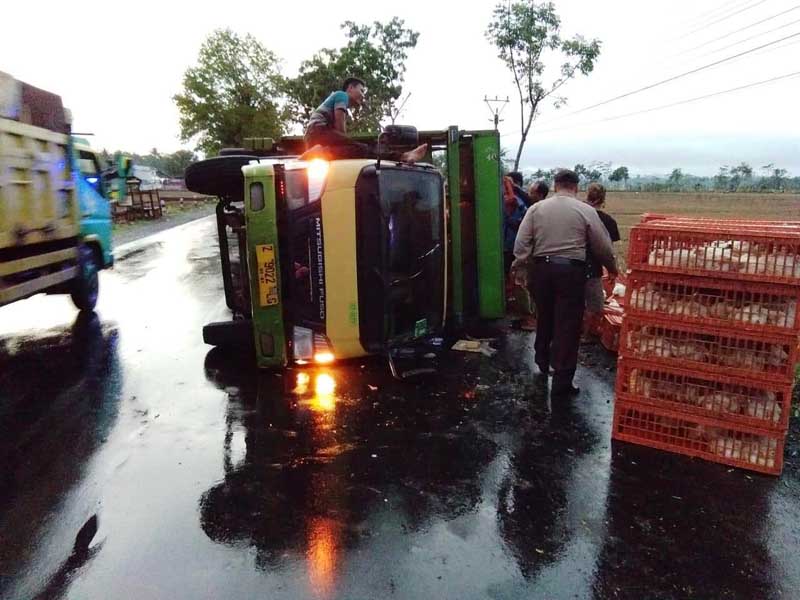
[{"x": 562, "y": 226}]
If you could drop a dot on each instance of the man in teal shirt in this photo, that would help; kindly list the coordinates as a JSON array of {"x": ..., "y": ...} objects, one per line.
[{"x": 327, "y": 127}]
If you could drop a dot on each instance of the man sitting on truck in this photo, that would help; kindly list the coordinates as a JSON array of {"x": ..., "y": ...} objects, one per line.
[{"x": 327, "y": 127}]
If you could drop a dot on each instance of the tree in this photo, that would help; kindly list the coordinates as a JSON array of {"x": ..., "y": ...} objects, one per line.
[
  {"x": 778, "y": 175},
  {"x": 603, "y": 168},
  {"x": 722, "y": 179},
  {"x": 175, "y": 164},
  {"x": 172, "y": 165},
  {"x": 675, "y": 179},
  {"x": 542, "y": 174},
  {"x": 231, "y": 93},
  {"x": 581, "y": 171},
  {"x": 524, "y": 34},
  {"x": 375, "y": 53},
  {"x": 620, "y": 174},
  {"x": 744, "y": 170}
]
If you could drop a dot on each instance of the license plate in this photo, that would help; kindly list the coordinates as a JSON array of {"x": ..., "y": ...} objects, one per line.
[{"x": 268, "y": 291}]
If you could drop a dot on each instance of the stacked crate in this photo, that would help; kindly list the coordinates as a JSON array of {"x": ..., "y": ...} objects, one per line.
[{"x": 709, "y": 341}]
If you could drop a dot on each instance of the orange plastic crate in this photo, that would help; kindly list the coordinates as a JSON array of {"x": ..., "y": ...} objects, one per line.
[
  {"x": 704, "y": 221},
  {"x": 733, "y": 251},
  {"x": 756, "y": 404},
  {"x": 766, "y": 357},
  {"x": 738, "y": 446},
  {"x": 744, "y": 305}
]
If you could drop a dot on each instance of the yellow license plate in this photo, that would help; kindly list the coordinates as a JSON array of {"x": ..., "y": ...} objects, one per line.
[{"x": 268, "y": 291}]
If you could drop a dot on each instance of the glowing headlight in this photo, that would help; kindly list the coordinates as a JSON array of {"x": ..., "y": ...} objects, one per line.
[
  {"x": 317, "y": 173},
  {"x": 324, "y": 358}
]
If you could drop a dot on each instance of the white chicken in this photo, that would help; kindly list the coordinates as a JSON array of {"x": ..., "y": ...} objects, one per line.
[
  {"x": 722, "y": 402},
  {"x": 766, "y": 408}
]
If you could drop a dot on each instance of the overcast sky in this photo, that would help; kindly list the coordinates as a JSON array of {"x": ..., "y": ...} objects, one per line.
[{"x": 117, "y": 67}]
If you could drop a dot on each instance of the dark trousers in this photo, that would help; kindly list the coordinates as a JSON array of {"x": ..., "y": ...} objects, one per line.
[
  {"x": 558, "y": 291},
  {"x": 337, "y": 143}
]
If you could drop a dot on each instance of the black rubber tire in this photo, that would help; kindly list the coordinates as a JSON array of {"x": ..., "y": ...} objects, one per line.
[
  {"x": 86, "y": 286},
  {"x": 219, "y": 176},
  {"x": 229, "y": 334}
]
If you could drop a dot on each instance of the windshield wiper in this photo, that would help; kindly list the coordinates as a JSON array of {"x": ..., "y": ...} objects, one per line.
[
  {"x": 419, "y": 273},
  {"x": 436, "y": 248}
]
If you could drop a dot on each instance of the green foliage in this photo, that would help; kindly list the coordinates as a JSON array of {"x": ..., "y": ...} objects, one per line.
[
  {"x": 172, "y": 165},
  {"x": 439, "y": 160},
  {"x": 581, "y": 171},
  {"x": 543, "y": 175},
  {"x": 231, "y": 93},
  {"x": 619, "y": 174},
  {"x": 525, "y": 33},
  {"x": 374, "y": 53},
  {"x": 729, "y": 179}
]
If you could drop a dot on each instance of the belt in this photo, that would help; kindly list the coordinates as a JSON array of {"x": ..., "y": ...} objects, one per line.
[{"x": 559, "y": 260}]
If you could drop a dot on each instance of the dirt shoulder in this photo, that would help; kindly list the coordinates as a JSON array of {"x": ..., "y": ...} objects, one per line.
[{"x": 174, "y": 215}]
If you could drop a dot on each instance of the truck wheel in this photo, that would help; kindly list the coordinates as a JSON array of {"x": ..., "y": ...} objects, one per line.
[
  {"x": 219, "y": 176},
  {"x": 86, "y": 285},
  {"x": 229, "y": 334}
]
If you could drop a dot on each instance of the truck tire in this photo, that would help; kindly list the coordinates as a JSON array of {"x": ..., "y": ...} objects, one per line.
[
  {"x": 86, "y": 285},
  {"x": 229, "y": 334},
  {"x": 219, "y": 176}
]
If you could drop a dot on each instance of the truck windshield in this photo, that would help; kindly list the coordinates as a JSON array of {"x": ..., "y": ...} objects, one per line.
[{"x": 400, "y": 254}]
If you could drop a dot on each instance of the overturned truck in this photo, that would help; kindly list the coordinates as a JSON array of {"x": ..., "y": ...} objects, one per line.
[{"x": 333, "y": 259}]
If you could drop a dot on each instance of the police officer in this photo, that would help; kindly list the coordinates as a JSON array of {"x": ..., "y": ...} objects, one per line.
[{"x": 552, "y": 242}]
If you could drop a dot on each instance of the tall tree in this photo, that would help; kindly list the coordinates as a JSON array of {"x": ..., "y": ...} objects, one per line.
[
  {"x": 231, "y": 93},
  {"x": 722, "y": 179},
  {"x": 175, "y": 164},
  {"x": 676, "y": 176},
  {"x": 743, "y": 169},
  {"x": 375, "y": 53},
  {"x": 620, "y": 174},
  {"x": 581, "y": 171},
  {"x": 525, "y": 33}
]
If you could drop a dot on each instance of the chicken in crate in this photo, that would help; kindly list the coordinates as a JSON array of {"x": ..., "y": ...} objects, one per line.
[{"x": 709, "y": 339}]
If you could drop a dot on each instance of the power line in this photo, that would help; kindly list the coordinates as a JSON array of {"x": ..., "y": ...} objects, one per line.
[
  {"x": 746, "y": 27},
  {"x": 678, "y": 103},
  {"x": 685, "y": 74},
  {"x": 751, "y": 37},
  {"x": 725, "y": 18},
  {"x": 714, "y": 13}
]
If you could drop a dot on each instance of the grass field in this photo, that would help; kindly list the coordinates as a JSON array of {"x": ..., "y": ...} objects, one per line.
[{"x": 628, "y": 207}]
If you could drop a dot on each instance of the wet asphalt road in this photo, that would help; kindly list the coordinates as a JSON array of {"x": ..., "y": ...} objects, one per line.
[{"x": 135, "y": 462}]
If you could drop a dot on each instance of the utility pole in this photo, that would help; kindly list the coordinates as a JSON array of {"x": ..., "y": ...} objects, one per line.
[{"x": 496, "y": 111}]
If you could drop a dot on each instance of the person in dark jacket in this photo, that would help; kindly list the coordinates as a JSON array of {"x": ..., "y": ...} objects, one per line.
[{"x": 595, "y": 297}]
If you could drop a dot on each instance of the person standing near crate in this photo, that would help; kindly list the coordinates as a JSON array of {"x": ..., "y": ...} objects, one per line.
[
  {"x": 595, "y": 297},
  {"x": 551, "y": 243}
]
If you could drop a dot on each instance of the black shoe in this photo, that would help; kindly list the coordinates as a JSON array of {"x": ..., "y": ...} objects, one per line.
[{"x": 566, "y": 392}]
